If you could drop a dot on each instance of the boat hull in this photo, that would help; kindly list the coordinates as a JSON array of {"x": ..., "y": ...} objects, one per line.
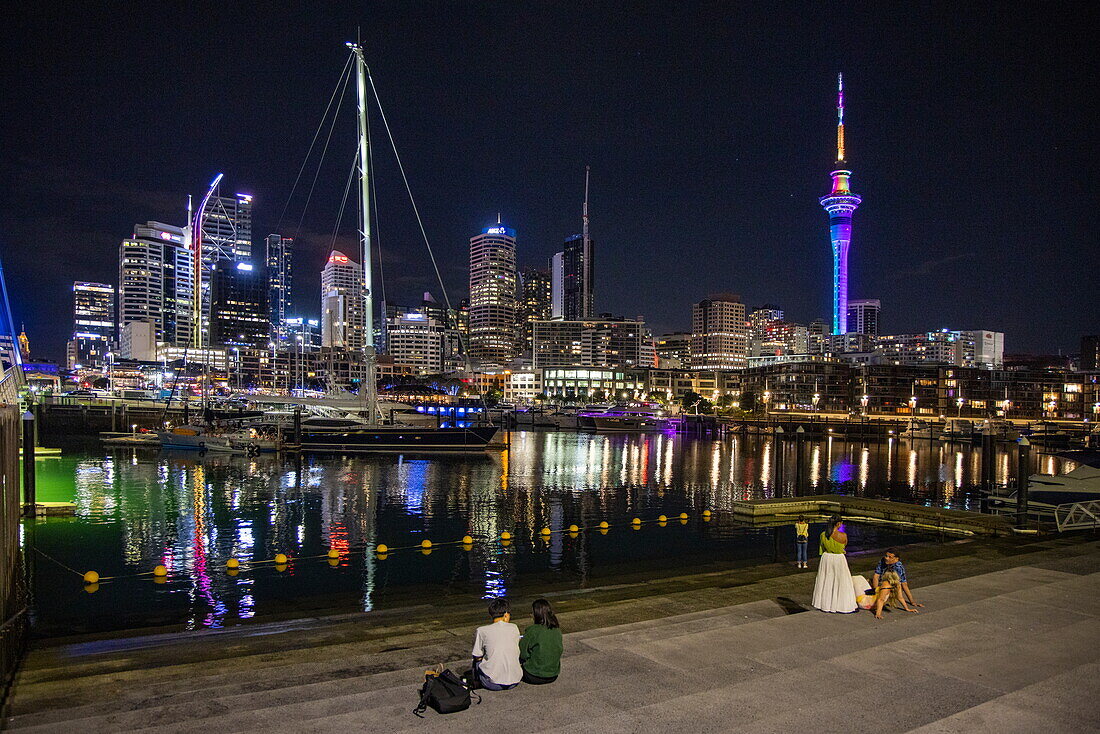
[{"x": 397, "y": 439}]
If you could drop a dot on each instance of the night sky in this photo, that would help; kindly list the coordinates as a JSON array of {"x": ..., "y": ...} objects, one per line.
[{"x": 710, "y": 129}]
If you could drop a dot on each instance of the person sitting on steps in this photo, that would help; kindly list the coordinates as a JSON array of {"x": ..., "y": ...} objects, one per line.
[
  {"x": 890, "y": 591},
  {"x": 496, "y": 650},
  {"x": 541, "y": 647},
  {"x": 891, "y": 561}
]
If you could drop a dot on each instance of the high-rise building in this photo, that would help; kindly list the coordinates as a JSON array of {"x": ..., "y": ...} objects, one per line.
[
  {"x": 719, "y": 333},
  {"x": 416, "y": 340},
  {"x": 238, "y": 310},
  {"x": 603, "y": 342},
  {"x": 534, "y": 302},
  {"x": 673, "y": 350},
  {"x": 819, "y": 334},
  {"x": 94, "y": 328},
  {"x": 964, "y": 348},
  {"x": 303, "y": 335},
  {"x": 863, "y": 316},
  {"x": 279, "y": 255},
  {"x": 840, "y": 203},
  {"x": 780, "y": 338},
  {"x": 343, "y": 298},
  {"x": 156, "y": 282},
  {"x": 227, "y": 229},
  {"x": 493, "y": 297},
  {"x": 573, "y": 272},
  {"x": 761, "y": 317},
  {"x": 1090, "y": 352},
  {"x": 981, "y": 348}
]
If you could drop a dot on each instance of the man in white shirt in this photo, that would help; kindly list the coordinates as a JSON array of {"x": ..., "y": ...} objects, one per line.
[{"x": 496, "y": 649}]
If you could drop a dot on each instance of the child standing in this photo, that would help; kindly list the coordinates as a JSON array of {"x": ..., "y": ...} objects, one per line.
[{"x": 802, "y": 540}]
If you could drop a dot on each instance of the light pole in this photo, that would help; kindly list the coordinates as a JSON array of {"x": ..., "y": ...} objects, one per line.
[
  {"x": 960, "y": 402},
  {"x": 913, "y": 405},
  {"x": 815, "y": 400},
  {"x": 767, "y": 396},
  {"x": 863, "y": 402}
]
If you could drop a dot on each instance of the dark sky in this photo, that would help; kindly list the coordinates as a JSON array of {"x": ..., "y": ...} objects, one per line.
[{"x": 709, "y": 128}]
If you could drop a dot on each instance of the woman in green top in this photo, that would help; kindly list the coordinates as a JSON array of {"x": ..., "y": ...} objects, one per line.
[
  {"x": 541, "y": 646},
  {"x": 833, "y": 591}
]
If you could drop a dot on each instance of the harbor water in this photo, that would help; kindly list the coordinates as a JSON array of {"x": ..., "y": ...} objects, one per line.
[{"x": 137, "y": 508}]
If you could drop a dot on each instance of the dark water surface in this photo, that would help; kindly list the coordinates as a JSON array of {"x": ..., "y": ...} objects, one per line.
[{"x": 139, "y": 508}]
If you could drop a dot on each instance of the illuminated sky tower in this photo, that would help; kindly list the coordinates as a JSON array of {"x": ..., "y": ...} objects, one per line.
[{"x": 840, "y": 203}]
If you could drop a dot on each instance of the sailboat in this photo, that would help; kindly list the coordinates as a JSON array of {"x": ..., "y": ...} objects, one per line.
[{"x": 345, "y": 436}]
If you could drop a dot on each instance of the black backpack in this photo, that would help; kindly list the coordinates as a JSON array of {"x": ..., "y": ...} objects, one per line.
[{"x": 445, "y": 692}]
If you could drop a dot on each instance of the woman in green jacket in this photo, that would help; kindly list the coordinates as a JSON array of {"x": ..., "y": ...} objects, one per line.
[{"x": 541, "y": 646}]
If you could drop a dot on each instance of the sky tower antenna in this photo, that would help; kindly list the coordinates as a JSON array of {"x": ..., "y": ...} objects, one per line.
[{"x": 839, "y": 118}]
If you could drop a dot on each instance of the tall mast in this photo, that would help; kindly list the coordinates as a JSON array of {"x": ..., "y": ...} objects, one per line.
[
  {"x": 587, "y": 299},
  {"x": 368, "y": 389},
  {"x": 840, "y": 118}
]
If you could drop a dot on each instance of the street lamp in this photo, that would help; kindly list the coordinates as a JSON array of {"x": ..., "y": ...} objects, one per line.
[
  {"x": 815, "y": 400},
  {"x": 960, "y": 402},
  {"x": 863, "y": 402},
  {"x": 913, "y": 404},
  {"x": 767, "y": 396}
]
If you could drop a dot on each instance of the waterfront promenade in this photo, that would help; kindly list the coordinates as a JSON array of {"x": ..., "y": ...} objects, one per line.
[{"x": 1008, "y": 641}]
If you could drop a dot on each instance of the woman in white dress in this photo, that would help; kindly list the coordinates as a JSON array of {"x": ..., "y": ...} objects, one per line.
[{"x": 833, "y": 590}]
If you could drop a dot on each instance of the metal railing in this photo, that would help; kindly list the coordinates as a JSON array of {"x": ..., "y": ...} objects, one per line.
[
  {"x": 13, "y": 587},
  {"x": 1077, "y": 515}
]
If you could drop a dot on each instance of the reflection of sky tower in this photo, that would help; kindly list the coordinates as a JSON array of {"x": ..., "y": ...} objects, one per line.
[{"x": 840, "y": 203}]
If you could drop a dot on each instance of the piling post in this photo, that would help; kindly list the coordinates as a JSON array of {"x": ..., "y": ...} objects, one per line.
[
  {"x": 1023, "y": 471},
  {"x": 989, "y": 471},
  {"x": 29, "y": 494},
  {"x": 799, "y": 461},
  {"x": 298, "y": 428},
  {"x": 779, "y": 489}
]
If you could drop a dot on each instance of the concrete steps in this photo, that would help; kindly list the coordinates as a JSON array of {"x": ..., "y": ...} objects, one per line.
[{"x": 981, "y": 644}]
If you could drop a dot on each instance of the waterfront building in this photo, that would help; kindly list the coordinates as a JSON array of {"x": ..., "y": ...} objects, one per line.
[
  {"x": 302, "y": 334},
  {"x": 573, "y": 272},
  {"x": 416, "y": 340},
  {"x": 493, "y": 297},
  {"x": 863, "y": 315},
  {"x": 840, "y": 204},
  {"x": 138, "y": 340},
  {"x": 780, "y": 338},
  {"x": 981, "y": 348},
  {"x": 673, "y": 350},
  {"x": 238, "y": 309},
  {"x": 593, "y": 384},
  {"x": 604, "y": 342},
  {"x": 719, "y": 333},
  {"x": 156, "y": 282},
  {"x": 279, "y": 257},
  {"x": 522, "y": 386},
  {"x": 672, "y": 385},
  {"x": 1090, "y": 352},
  {"x": 94, "y": 326},
  {"x": 761, "y": 316},
  {"x": 850, "y": 343},
  {"x": 343, "y": 299},
  {"x": 819, "y": 332},
  {"x": 534, "y": 302},
  {"x": 965, "y": 348}
]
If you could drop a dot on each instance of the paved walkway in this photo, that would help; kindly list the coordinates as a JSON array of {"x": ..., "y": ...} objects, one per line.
[{"x": 1013, "y": 649}]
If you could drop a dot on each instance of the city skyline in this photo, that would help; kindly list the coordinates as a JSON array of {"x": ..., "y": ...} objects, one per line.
[{"x": 684, "y": 227}]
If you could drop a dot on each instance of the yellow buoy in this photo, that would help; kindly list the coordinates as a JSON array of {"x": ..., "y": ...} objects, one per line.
[
  {"x": 505, "y": 543},
  {"x": 683, "y": 516},
  {"x": 91, "y": 577},
  {"x": 467, "y": 540},
  {"x": 545, "y": 531},
  {"x": 505, "y": 535},
  {"x": 91, "y": 588},
  {"x": 662, "y": 518},
  {"x": 636, "y": 521},
  {"x": 604, "y": 525},
  {"x": 232, "y": 563},
  {"x": 706, "y": 513},
  {"x": 333, "y": 553},
  {"x": 636, "y": 526},
  {"x": 426, "y": 551},
  {"x": 280, "y": 559},
  {"x": 160, "y": 571},
  {"x": 334, "y": 562},
  {"x": 280, "y": 567},
  {"x": 160, "y": 580},
  {"x": 467, "y": 546},
  {"x": 382, "y": 556},
  {"x": 425, "y": 543},
  {"x": 573, "y": 529},
  {"x": 573, "y": 535},
  {"x": 603, "y": 531},
  {"x": 382, "y": 549}
]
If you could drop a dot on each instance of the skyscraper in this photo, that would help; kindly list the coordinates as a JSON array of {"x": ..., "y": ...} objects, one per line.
[
  {"x": 534, "y": 302},
  {"x": 343, "y": 296},
  {"x": 761, "y": 317},
  {"x": 279, "y": 252},
  {"x": 221, "y": 230},
  {"x": 93, "y": 324},
  {"x": 573, "y": 272},
  {"x": 493, "y": 297},
  {"x": 719, "y": 333},
  {"x": 840, "y": 204},
  {"x": 156, "y": 282},
  {"x": 863, "y": 315},
  {"x": 238, "y": 310}
]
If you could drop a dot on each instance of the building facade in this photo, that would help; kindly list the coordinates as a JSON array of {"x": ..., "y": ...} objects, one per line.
[
  {"x": 719, "y": 333},
  {"x": 94, "y": 325},
  {"x": 416, "y": 340},
  {"x": 156, "y": 282},
  {"x": 343, "y": 303},
  {"x": 673, "y": 351},
  {"x": 607, "y": 342},
  {"x": 279, "y": 253},
  {"x": 534, "y": 303},
  {"x": 863, "y": 316},
  {"x": 493, "y": 297},
  {"x": 238, "y": 309}
]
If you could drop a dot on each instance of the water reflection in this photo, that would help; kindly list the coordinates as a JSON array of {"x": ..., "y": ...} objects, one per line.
[{"x": 136, "y": 509}]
